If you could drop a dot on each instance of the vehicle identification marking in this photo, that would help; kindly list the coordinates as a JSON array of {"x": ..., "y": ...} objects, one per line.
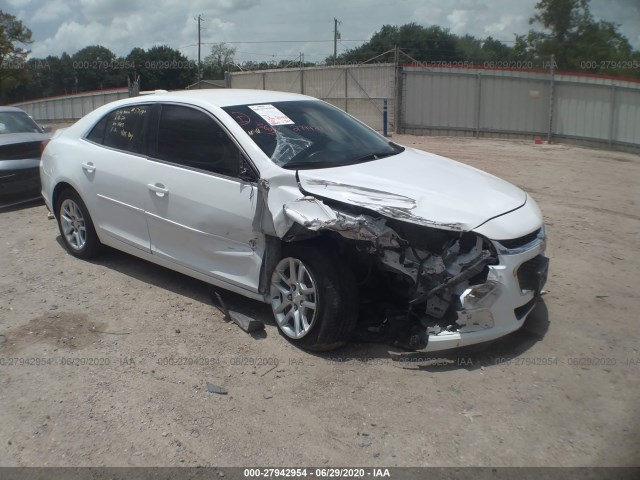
[{"x": 272, "y": 115}]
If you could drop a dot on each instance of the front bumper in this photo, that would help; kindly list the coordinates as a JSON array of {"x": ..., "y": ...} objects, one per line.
[{"x": 501, "y": 305}]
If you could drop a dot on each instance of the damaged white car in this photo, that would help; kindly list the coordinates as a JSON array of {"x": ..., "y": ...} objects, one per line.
[{"x": 288, "y": 200}]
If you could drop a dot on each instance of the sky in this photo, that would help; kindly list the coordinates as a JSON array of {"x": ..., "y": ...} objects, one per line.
[{"x": 265, "y": 30}]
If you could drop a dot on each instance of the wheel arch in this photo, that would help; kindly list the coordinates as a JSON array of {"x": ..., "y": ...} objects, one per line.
[
  {"x": 275, "y": 250},
  {"x": 59, "y": 188}
]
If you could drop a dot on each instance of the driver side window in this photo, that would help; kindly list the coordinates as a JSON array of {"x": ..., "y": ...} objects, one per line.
[{"x": 189, "y": 137}]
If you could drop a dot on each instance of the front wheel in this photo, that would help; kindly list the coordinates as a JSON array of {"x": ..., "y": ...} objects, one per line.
[
  {"x": 314, "y": 298},
  {"x": 76, "y": 227}
]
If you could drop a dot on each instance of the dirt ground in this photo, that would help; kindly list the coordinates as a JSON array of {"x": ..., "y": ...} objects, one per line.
[{"x": 106, "y": 363}]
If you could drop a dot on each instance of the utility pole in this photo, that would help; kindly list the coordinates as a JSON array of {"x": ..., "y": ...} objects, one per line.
[
  {"x": 336, "y": 36},
  {"x": 199, "y": 18},
  {"x": 396, "y": 89},
  {"x": 551, "y": 97}
]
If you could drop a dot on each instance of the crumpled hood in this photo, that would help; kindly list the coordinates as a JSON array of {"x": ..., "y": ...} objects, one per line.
[{"x": 418, "y": 187}]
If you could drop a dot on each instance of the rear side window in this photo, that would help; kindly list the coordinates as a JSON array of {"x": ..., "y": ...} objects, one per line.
[
  {"x": 191, "y": 138},
  {"x": 123, "y": 129}
]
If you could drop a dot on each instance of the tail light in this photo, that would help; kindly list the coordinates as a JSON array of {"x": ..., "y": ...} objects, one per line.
[{"x": 43, "y": 145}]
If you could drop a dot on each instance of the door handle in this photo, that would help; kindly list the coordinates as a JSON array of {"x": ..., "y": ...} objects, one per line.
[
  {"x": 89, "y": 167},
  {"x": 158, "y": 188}
]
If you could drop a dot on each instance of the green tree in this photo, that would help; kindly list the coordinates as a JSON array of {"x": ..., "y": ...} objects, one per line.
[
  {"x": 14, "y": 37},
  {"x": 219, "y": 60},
  {"x": 50, "y": 76},
  {"x": 161, "y": 67},
  {"x": 425, "y": 44},
  {"x": 477, "y": 51},
  {"x": 577, "y": 41},
  {"x": 96, "y": 67}
]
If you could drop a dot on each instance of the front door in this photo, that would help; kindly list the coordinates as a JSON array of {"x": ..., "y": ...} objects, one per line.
[{"x": 199, "y": 212}]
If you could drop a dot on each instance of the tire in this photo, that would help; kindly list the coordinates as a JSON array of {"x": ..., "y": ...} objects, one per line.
[
  {"x": 322, "y": 295},
  {"x": 75, "y": 225}
]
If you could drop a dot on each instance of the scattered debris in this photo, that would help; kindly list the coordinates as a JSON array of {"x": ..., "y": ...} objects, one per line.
[
  {"x": 177, "y": 330},
  {"x": 94, "y": 330},
  {"x": 246, "y": 323},
  {"x": 263, "y": 374},
  {"x": 470, "y": 416},
  {"x": 211, "y": 388}
]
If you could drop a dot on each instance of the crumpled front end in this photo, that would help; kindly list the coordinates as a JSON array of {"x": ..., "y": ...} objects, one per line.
[{"x": 424, "y": 288}]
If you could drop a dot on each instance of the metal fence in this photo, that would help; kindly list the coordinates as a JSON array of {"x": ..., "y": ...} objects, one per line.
[
  {"x": 584, "y": 109},
  {"x": 479, "y": 102},
  {"x": 358, "y": 90},
  {"x": 70, "y": 107}
]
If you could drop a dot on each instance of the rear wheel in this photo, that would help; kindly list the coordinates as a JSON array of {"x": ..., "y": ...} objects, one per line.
[
  {"x": 76, "y": 227},
  {"x": 314, "y": 298}
]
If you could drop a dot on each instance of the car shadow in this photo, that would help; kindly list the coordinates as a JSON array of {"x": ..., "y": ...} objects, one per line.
[
  {"x": 179, "y": 284},
  {"x": 22, "y": 206},
  {"x": 507, "y": 349},
  {"x": 474, "y": 357}
]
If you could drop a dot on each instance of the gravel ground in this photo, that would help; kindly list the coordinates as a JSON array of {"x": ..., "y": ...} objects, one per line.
[{"x": 97, "y": 357}]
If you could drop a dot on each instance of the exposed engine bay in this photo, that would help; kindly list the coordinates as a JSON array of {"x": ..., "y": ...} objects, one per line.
[{"x": 414, "y": 281}]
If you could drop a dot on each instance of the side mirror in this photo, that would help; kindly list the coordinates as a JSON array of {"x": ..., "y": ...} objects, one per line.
[
  {"x": 46, "y": 128},
  {"x": 246, "y": 173}
]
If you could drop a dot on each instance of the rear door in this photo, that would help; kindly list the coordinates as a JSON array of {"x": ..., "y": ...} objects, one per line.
[
  {"x": 199, "y": 212},
  {"x": 113, "y": 175}
]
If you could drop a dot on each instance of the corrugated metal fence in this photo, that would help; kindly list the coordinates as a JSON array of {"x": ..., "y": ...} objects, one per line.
[
  {"x": 70, "y": 107},
  {"x": 439, "y": 101},
  {"x": 358, "y": 90},
  {"x": 461, "y": 101}
]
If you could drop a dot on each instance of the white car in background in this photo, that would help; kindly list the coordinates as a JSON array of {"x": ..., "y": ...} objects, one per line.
[{"x": 286, "y": 199}]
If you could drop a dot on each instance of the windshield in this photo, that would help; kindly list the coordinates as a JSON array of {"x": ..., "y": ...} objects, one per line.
[
  {"x": 17, "y": 122},
  {"x": 310, "y": 134}
]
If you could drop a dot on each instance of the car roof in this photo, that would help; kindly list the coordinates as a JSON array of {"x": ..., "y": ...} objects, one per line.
[{"x": 223, "y": 97}]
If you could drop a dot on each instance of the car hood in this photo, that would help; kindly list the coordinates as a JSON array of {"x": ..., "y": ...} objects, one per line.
[
  {"x": 417, "y": 187},
  {"x": 12, "y": 138}
]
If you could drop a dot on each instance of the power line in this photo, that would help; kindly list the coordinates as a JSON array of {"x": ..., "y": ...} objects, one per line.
[{"x": 283, "y": 41}]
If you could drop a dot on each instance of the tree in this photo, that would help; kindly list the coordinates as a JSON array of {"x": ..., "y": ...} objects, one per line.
[
  {"x": 160, "y": 67},
  {"x": 50, "y": 76},
  {"x": 14, "y": 36},
  {"x": 426, "y": 44},
  {"x": 577, "y": 41},
  {"x": 476, "y": 51},
  {"x": 96, "y": 67},
  {"x": 561, "y": 18},
  {"x": 218, "y": 61}
]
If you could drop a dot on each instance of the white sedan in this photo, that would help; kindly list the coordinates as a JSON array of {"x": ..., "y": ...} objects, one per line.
[{"x": 286, "y": 199}]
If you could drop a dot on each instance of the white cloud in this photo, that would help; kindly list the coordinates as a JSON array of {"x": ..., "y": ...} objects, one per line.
[
  {"x": 458, "y": 20},
  {"x": 506, "y": 26},
  {"x": 18, "y": 3},
  {"x": 52, "y": 10},
  {"x": 121, "y": 25}
]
